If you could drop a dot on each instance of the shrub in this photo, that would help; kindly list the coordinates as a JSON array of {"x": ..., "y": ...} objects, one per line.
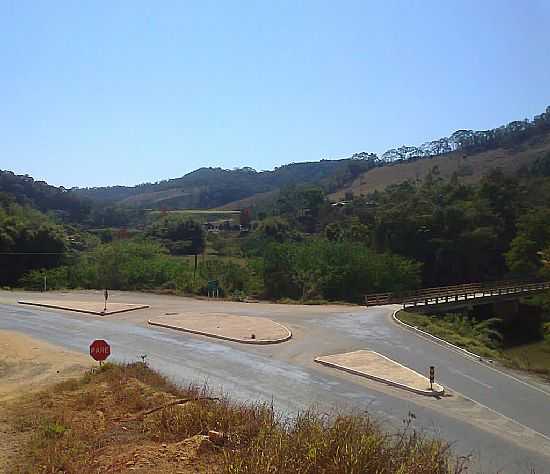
[{"x": 343, "y": 270}]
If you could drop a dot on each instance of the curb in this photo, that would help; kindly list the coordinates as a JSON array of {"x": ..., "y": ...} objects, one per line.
[
  {"x": 438, "y": 339},
  {"x": 226, "y": 338},
  {"x": 96, "y": 313},
  {"x": 437, "y": 392}
]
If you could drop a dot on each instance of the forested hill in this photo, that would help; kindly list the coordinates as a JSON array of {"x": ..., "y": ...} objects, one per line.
[
  {"x": 466, "y": 167},
  {"x": 212, "y": 187},
  {"x": 26, "y": 191}
]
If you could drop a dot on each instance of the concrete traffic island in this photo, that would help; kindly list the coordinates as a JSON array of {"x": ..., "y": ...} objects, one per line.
[
  {"x": 230, "y": 327},
  {"x": 88, "y": 307},
  {"x": 377, "y": 367}
]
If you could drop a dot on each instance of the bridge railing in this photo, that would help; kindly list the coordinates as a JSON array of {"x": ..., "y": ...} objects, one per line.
[{"x": 454, "y": 293}]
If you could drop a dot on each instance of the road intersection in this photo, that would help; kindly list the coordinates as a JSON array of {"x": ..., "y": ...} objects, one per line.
[{"x": 501, "y": 419}]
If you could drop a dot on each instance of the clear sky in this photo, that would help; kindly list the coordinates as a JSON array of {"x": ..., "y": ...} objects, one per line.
[{"x": 113, "y": 92}]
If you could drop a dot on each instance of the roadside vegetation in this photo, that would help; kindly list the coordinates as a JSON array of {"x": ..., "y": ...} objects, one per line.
[
  {"x": 521, "y": 342},
  {"x": 126, "y": 417},
  {"x": 478, "y": 337}
]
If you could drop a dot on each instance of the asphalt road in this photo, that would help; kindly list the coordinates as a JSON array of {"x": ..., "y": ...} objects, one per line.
[{"x": 511, "y": 435}]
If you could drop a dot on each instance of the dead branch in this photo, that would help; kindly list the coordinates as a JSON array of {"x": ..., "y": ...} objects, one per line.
[{"x": 181, "y": 401}]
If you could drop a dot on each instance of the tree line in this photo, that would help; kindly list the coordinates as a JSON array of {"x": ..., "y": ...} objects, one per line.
[{"x": 471, "y": 141}]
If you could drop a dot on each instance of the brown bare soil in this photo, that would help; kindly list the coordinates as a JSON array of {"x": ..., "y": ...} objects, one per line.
[
  {"x": 154, "y": 197},
  {"x": 251, "y": 201},
  {"x": 28, "y": 365}
]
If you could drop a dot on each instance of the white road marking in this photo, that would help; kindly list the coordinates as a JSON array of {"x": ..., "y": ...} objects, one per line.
[
  {"x": 492, "y": 410},
  {"x": 465, "y": 355},
  {"x": 473, "y": 379}
]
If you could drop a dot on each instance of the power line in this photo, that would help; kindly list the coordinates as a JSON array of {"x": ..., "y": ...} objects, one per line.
[{"x": 33, "y": 253}]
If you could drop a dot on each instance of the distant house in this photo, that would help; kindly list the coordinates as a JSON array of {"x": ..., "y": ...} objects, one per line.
[{"x": 340, "y": 203}]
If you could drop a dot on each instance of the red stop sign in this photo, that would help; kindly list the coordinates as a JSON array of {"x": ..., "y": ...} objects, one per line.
[{"x": 100, "y": 350}]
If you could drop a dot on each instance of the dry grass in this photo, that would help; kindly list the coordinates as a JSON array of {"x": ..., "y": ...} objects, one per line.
[
  {"x": 534, "y": 357},
  {"x": 94, "y": 425},
  {"x": 469, "y": 168}
]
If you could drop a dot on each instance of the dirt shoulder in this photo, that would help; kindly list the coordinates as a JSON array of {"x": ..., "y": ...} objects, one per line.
[{"x": 28, "y": 365}]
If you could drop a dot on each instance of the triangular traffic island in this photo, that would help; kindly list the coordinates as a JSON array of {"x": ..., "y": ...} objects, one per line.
[
  {"x": 377, "y": 367},
  {"x": 230, "y": 327},
  {"x": 88, "y": 307}
]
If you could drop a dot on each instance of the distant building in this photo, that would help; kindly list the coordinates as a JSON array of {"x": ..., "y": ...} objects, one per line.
[{"x": 340, "y": 203}]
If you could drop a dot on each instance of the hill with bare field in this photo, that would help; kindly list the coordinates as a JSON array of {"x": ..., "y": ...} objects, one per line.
[{"x": 468, "y": 168}]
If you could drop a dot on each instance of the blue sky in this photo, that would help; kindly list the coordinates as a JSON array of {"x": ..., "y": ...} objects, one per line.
[{"x": 102, "y": 93}]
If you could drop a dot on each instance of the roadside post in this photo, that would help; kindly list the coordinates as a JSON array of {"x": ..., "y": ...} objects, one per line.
[
  {"x": 100, "y": 350},
  {"x": 432, "y": 376},
  {"x": 106, "y": 295}
]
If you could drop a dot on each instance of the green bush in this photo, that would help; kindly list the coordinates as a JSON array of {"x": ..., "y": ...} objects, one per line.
[
  {"x": 56, "y": 279},
  {"x": 232, "y": 276},
  {"x": 342, "y": 270},
  {"x": 141, "y": 264},
  {"x": 312, "y": 270},
  {"x": 120, "y": 265}
]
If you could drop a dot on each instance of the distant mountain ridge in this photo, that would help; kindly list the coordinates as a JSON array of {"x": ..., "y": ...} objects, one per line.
[
  {"x": 40, "y": 195},
  {"x": 465, "y": 154},
  {"x": 214, "y": 187},
  {"x": 217, "y": 187}
]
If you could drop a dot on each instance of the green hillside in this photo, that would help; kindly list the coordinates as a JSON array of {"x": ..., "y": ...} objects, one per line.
[{"x": 214, "y": 187}]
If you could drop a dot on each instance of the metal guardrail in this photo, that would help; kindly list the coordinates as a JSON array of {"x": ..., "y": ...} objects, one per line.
[{"x": 454, "y": 293}]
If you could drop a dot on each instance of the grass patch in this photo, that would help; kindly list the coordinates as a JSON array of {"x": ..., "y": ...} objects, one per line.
[
  {"x": 533, "y": 357},
  {"x": 478, "y": 338},
  {"x": 4, "y": 368},
  {"x": 455, "y": 329},
  {"x": 98, "y": 424}
]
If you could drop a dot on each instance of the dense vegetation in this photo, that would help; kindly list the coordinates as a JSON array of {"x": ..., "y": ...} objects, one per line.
[
  {"x": 345, "y": 271},
  {"x": 25, "y": 191},
  {"x": 497, "y": 229},
  {"x": 28, "y": 239}
]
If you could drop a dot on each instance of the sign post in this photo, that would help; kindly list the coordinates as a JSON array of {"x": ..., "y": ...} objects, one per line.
[
  {"x": 100, "y": 350},
  {"x": 106, "y": 295},
  {"x": 432, "y": 376}
]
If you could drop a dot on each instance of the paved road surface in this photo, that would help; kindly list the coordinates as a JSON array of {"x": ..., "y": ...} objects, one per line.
[{"x": 287, "y": 374}]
